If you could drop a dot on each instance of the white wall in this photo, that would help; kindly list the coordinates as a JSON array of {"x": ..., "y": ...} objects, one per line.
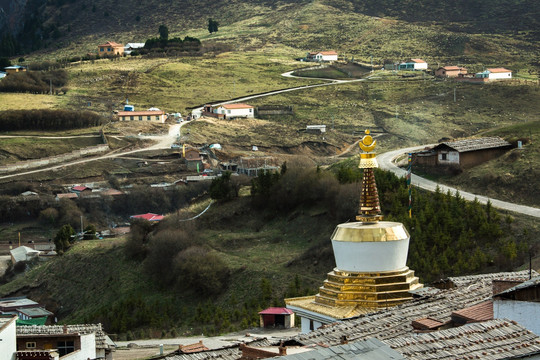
[
  {"x": 8, "y": 342},
  {"x": 88, "y": 349},
  {"x": 495, "y": 76},
  {"x": 329, "y": 57},
  {"x": 236, "y": 112},
  {"x": 525, "y": 313},
  {"x": 420, "y": 66},
  {"x": 452, "y": 157}
]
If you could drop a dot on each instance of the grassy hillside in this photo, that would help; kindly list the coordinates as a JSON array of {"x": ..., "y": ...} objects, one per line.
[
  {"x": 457, "y": 32},
  {"x": 268, "y": 247}
]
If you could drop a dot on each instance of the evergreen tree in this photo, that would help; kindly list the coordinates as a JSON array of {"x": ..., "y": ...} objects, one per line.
[
  {"x": 163, "y": 33},
  {"x": 64, "y": 239},
  {"x": 213, "y": 25}
]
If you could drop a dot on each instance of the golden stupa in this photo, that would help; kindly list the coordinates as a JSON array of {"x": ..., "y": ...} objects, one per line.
[{"x": 371, "y": 256}]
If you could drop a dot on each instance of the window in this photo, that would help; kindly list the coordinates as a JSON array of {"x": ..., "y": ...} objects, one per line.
[
  {"x": 311, "y": 327},
  {"x": 108, "y": 49},
  {"x": 444, "y": 156},
  {"x": 65, "y": 347},
  {"x": 157, "y": 117},
  {"x": 31, "y": 345},
  {"x": 250, "y": 110},
  {"x": 228, "y": 111},
  {"x": 100, "y": 49},
  {"x": 140, "y": 117},
  {"x": 148, "y": 117},
  {"x": 131, "y": 118}
]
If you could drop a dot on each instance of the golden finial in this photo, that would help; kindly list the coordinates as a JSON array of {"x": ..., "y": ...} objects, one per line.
[
  {"x": 367, "y": 144},
  {"x": 367, "y": 158},
  {"x": 370, "y": 210}
]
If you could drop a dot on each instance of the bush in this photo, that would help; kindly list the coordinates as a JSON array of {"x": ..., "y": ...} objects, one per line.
[{"x": 199, "y": 270}]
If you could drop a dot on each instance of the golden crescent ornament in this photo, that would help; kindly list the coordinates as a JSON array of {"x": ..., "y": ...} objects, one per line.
[{"x": 367, "y": 143}]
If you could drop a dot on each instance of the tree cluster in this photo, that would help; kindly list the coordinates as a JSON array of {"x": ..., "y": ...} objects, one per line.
[
  {"x": 46, "y": 119},
  {"x": 35, "y": 82}
]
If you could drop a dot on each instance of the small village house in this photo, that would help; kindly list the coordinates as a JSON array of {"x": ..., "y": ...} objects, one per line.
[
  {"x": 193, "y": 159},
  {"x": 81, "y": 189},
  {"x": 495, "y": 74},
  {"x": 277, "y": 317},
  {"x": 461, "y": 153},
  {"x": 69, "y": 195},
  {"x": 23, "y": 253},
  {"x": 322, "y": 56},
  {"x": 110, "y": 48},
  {"x": 14, "y": 69},
  {"x": 2, "y": 74},
  {"x": 229, "y": 111},
  {"x": 73, "y": 342},
  {"x": 147, "y": 115},
  {"x": 414, "y": 64},
  {"x": 450, "y": 71},
  {"x": 129, "y": 47}
]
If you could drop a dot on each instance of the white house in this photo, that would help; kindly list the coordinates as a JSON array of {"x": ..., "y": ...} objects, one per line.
[
  {"x": 8, "y": 337},
  {"x": 23, "y": 253},
  {"x": 495, "y": 74},
  {"x": 129, "y": 47},
  {"x": 322, "y": 56},
  {"x": 414, "y": 64},
  {"x": 232, "y": 111}
]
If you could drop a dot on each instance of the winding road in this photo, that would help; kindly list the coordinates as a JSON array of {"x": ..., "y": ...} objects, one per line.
[{"x": 386, "y": 162}]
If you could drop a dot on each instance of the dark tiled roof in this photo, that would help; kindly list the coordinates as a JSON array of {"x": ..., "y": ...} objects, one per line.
[
  {"x": 396, "y": 321},
  {"x": 226, "y": 353},
  {"x": 427, "y": 324},
  {"x": 495, "y": 339},
  {"x": 475, "y": 144}
]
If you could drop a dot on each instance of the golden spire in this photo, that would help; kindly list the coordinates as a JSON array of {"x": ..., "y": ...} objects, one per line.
[{"x": 370, "y": 210}]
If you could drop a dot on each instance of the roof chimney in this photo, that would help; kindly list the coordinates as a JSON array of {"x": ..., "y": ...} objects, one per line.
[
  {"x": 282, "y": 349},
  {"x": 343, "y": 340},
  {"x": 65, "y": 329}
]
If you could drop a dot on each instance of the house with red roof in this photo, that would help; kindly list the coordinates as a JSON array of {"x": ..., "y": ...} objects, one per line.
[
  {"x": 495, "y": 74},
  {"x": 450, "y": 71},
  {"x": 148, "y": 217},
  {"x": 277, "y": 317},
  {"x": 110, "y": 48},
  {"x": 322, "y": 56},
  {"x": 80, "y": 189}
]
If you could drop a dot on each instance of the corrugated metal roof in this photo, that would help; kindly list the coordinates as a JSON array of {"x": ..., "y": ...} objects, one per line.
[
  {"x": 475, "y": 144},
  {"x": 535, "y": 281},
  {"x": 369, "y": 349},
  {"x": 276, "y": 311}
]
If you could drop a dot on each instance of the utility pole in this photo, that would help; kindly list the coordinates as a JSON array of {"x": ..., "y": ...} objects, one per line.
[
  {"x": 82, "y": 226},
  {"x": 454, "y": 94},
  {"x": 50, "y": 86},
  {"x": 371, "y": 63}
]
